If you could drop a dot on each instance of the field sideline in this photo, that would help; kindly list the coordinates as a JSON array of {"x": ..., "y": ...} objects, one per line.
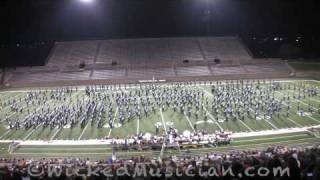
[{"x": 100, "y": 151}]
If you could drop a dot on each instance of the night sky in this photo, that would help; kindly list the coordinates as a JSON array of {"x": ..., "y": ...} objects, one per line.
[
  {"x": 69, "y": 19},
  {"x": 30, "y": 22}
]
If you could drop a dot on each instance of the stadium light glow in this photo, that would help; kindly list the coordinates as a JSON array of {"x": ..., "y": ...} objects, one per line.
[{"x": 86, "y": 1}]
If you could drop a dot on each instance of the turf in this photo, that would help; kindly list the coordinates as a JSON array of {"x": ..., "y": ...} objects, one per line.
[
  {"x": 303, "y": 66},
  {"x": 95, "y": 151},
  {"x": 167, "y": 118}
]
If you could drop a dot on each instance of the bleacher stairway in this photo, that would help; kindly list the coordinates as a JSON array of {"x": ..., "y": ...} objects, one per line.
[{"x": 142, "y": 59}]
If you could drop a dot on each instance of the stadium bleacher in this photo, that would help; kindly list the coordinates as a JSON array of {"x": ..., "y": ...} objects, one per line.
[
  {"x": 65, "y": 53},
  {"x": 110, "y": 50},
  {"x": 145, "y": 74},
  {"x": 193, "y": 71},
  {"x": 108, "y": 74},
  {"x": 33, "y": 77},
  {"x": 268, "y": 68},
  {"x": 224, "y": 48},
  {"x": 146, "y": 58},
  {"x": 227, "y": 70},
  {"x": 148, "y": 50},
  {"x": 185, "y": 49},
  {"x": 84, "y": 75}
]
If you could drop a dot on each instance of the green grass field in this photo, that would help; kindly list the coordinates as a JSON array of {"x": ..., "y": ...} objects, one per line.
[
  {"x": 104, "y": 151},
  {"x": 166, "y": 118},
  {"x": 305, "y": 66}
]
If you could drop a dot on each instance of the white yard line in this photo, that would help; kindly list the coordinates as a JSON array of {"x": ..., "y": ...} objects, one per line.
[
  {"x": 87, "y": 153},
  {"x": 268, "y": 121},
  {"x": 216, "y": 122},
  {"x": 41, "y": 106},
  {"x": 299, "y": 101},
  {"x": 265, "y": 143},
  {"x": 207, "y": 92},
  {"x": 5, "y": 134},
  {"x": 71, "y": 153},
  {"x": 313, "y": 118},
  {"x": 163, "y": 147},
  {"x": 13, "y": 113},
  {"x": 210, "y": 94},
  {"x": 138, "y": 125},
  {"x": 30, "y": 133},
  {"x": 85, "y": 128},
  {"x": 81, "y": 88},
  {"x": 16, "y": 112},
  {"x": 307, "y": 104},
  {"x": 69, "y": 149},
  {"x": 138, "y": 120},
  {"x": 45, "y": 104},
  {"x": 315, "y": 100},
  {"x": 115, "y": 114},
  {"x": 246, "y": 125},
  {"x": 28, "y": 117},
  {"x": 8, "y": 106},
  {"x": 55, "y": 134},
  {"x": 294, "y": 122},
  {"x": 5, "y": 97},
  {"x": 274, "y": 126},
  {"x": 59, "y": 129},
  {"x": 202, "y": 149},
  {"x": 163, "y": 121},
  {"x": 267, "y": 82},
  {"x": 208, "y": 84},
  {"x": 107, "y": 142},
  {"x": 190, "y": 123},
  {"x": 259, "y": 139},
  {"x": 310, "y": 99},
  {"x": 306, "y": 116}
]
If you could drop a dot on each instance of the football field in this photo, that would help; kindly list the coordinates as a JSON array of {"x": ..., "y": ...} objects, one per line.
[{"x": 298, "y": 100}]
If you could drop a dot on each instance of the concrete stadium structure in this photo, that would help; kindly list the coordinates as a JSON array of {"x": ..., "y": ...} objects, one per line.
[{"x": 131, "y": 60}]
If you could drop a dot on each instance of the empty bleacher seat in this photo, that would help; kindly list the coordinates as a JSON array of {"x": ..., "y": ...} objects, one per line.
[{"x": 73, "y": 53}]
